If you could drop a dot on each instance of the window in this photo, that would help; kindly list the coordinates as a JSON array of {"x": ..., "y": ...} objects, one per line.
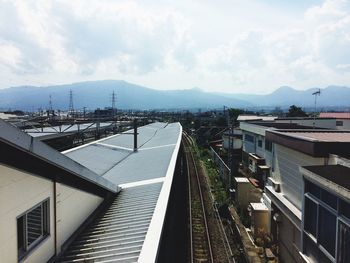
[
  {"x": 343, "y": 243},
  {"x": 268, "y": 145},
  {"x": 339, "y": 123},
  {"x": 327, "y": 230},
  {"x": 326, "y": 233},
  {"x": 260, "y": 143},
  {"x": 249, "y": 138},
  {"x": 32, "y": 227},
  {"x": 310, "y": 224}
]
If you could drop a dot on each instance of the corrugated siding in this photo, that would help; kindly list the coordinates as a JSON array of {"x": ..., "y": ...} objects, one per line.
[{"x": 287, "y": 163}]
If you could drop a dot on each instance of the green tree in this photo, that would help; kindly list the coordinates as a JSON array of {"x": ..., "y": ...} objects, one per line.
[
  {"x": 234, "y": 113},
  {"x": 295, "y": 111}
]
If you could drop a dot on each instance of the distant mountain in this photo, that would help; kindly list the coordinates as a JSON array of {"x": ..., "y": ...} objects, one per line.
[
  {"x": 331, "y": 96},
  {"x": 94, "y": 94}
]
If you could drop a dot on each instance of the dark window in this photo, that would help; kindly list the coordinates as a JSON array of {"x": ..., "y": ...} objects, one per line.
[
  {"x": 345, "y": 209},
  {"x": 32, "y": 227},
  {"x": 327, "y": 230},
  {"x": 312, "y": 189},
  {"x": 343, "y": 243},
  {"x": 249, "y": 138},
  {"x": 268, "y": 145},
  {"x": 260, "y": 143},
  {"x": 329, "y": 198},
  {"x": 339, "y": 123},
  {"x": 310, "y": 224}
]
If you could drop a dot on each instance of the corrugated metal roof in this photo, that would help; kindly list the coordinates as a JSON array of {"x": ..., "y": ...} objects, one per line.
[
  {"x": 119, "y": 233},
  {"x": 114, "y": 158},
  {"x": 130, "y": 230}
]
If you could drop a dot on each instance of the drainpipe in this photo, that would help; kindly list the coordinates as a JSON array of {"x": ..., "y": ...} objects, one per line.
[{"x": 135, "y": 135}]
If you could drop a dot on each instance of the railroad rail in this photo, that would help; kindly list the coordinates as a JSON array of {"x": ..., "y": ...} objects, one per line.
[{"x": 200, "y": 245}]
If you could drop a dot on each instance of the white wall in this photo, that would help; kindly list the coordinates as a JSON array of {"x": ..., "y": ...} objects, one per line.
[
  {"x": 286, "y": 171},
  {"x": 321, "y": 123},
  {"x": 73, "y": 207},
  {"x": 19, "y": 192}
]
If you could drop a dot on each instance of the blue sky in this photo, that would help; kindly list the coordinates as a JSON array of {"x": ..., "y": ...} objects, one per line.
[{"x": 225, "y": 46}]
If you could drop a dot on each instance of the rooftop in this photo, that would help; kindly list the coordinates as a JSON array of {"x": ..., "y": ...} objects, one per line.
[
  {"x": 338, "y": 115},
  {"x": 317, "y": 143},
  {"x": 337, "y": 174},
  {"x": 139, "y": 210},
  {"x": 320, "y": 136}
]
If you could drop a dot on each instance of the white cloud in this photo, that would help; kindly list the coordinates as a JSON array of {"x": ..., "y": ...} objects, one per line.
[{"x": 216, "y": 46}]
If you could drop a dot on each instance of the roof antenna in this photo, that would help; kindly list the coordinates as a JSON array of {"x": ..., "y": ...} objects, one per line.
[{"x": 316, "y": 93}]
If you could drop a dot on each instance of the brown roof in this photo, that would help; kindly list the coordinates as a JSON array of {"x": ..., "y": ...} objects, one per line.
[
  {"x": 338, "y": 115},
  {"x": 318, "y": 143},
  {"x": 322, "y": 136}
]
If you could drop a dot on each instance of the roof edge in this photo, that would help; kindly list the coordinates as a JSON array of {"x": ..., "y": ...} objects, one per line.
[
  {"x": 150, "y": 248},
  {"x": 10, "y": 135}
]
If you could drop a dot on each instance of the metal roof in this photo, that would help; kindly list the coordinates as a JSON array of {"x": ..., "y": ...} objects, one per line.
[
  {"x": 146, "y": 178},
  {"x": 64, "y": 129},
  {"x": 21, "y": 144},
  {"x": 118, "y": 235},
  {"x": 114, "y": 158}
]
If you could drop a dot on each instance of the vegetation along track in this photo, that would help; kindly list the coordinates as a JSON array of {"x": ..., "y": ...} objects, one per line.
[{"x": 200, "y": 250}]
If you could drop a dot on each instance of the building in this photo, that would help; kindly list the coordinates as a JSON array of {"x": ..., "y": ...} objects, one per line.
[
  {"x": 326, "y": 213},
  {"x": 342, "y": 118},
  {"x": 106, "y": 200},
  {"x": 284, "y": 191},
  {"x": 257, "y": 150}
]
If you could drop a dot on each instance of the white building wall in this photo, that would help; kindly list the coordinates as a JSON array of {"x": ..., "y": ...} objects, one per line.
[
  {"x": 73, "y": 208},
  {"x": 19, "y": 192},
  {"x": 286, "y": 171},
  {"x": 260, "y": 150},
  {"x": 248, "y": 146},
  {"x": 345, "y": 126}
]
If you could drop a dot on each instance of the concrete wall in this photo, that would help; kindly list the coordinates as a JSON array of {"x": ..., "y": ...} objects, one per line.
[
  {"x": 73, "y": 207},
  {"x": 289, "y": 238},
  {"x": 286, "y": 171},
  {"x": 19, "y": 192}
]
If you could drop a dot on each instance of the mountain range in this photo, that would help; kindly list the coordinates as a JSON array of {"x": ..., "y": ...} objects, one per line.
[{"x": 94, "y": 94}]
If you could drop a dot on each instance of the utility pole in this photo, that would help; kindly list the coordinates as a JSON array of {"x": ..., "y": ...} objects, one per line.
[
  {"x": 316, "y": 93},
  {"x": 71, "y": 107}
]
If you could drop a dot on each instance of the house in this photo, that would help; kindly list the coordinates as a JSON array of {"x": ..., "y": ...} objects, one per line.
[
  {"x": 342, "y": 118},
  {"x": 284, "y": 191},
  {"x": 107, "y": 199}
]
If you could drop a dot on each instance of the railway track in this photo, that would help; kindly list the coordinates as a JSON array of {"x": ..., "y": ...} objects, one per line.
[{"x": 200, "y": 245}]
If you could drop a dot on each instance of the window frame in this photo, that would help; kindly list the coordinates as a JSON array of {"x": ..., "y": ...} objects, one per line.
[
  {"x": 336, "y": 211},
  {"x": 45, "y": 228}
]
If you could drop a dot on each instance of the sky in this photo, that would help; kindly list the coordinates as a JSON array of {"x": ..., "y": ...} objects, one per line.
[{"x": 231, "y": 46}]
